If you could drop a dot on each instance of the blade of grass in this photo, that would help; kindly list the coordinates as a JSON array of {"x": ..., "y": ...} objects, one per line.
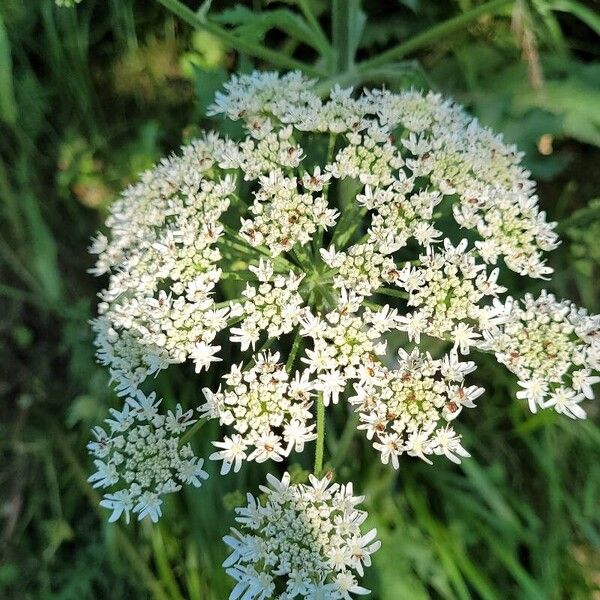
[{"x": 8, "y": 104}]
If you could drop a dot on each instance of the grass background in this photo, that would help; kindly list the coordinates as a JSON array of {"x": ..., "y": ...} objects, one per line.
[{"x": 90, "y": 97}]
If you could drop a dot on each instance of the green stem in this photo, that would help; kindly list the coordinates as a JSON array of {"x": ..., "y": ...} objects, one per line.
[
  {"x": 433, "y": 34},
  {"x": 236, "y": 42},
  {"x": 310, "y": 16},
  {"x": 341, "y": 15},
  {"x": 293, "y": 352},
  {"x": 187, "y": 436},
  {"x": 239, "y": 243},
  {"x": 163, "y": 564},
  {"x": 320, "y": 445},
  {"x": 393, "y": 293}
]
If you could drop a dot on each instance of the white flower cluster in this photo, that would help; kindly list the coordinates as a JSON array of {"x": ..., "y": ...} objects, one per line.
[
  {"x": 162, "y": 258},
  {"x": 407, "y": 409},
  {"x": 362, "y": 267},
  {"x": 463, "y": 159},
  {"x": 339, "y": 201},
  {"x": 396, "y": 217},
  {"x": 273, "y": 151},
  {"x": 303, "y": 542},
  {"x": 345, "y": 344},
  {"x": 446, "y": 288},
  {"x": 554, "y": 349},
  {"x": 283, "y": 217},
  {"x": 268, "y": 411},
  {"x": 274, "y": 306},
  {"x": 141, "y": 458}
]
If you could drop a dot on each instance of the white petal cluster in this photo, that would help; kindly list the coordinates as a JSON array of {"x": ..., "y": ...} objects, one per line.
[
  {"x": 139, "y": 456},
  {"x": 345, "y": 344},
  {"x": 362, "y": 268},
  {"x": 446, "y": 288},
  {"x": 407, "y": 409},
  {"x": 274, "y": 306},
  {"x": 340, "y": 202},
  {"x": 554, "y": 349},
  {"x": 162, "y": 259},
  {"x": 304, "y": 541},
  {"x": 266, "y": 98},
  {"x": 272, "y": 152},
  {"x": 468, "y": 161},
  {"x": 397, "y": 217},
  {"x": 370, "y": 162},
  {"x": 269, "y": 413},
  {"x": 491, "y": 192},
  {"x": 284, "y": 217}
]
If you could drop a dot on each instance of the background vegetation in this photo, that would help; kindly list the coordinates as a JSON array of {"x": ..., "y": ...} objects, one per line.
[{"x": 91, "y": 96}]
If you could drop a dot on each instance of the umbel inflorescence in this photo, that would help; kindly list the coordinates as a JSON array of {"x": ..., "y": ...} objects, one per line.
[{"x": 331, "y": 229}]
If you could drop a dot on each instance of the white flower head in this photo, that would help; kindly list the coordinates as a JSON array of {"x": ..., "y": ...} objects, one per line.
[
  {"x": 140, "y": 458},
  {"x": 305, "y": 540}
]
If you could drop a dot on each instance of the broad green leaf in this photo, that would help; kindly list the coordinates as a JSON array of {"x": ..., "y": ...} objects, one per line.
[{"x": 576, "y": 99}]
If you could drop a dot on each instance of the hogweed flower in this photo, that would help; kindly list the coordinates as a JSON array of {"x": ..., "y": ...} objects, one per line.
[
  {"x": 405, "y": 409},
  {"x": 327, "y": 231},
  {"x": 141, "y": 458},
  {"x": 305, "y": 541},
  {"x": 553, "y": 347},
  {"x": 269, "y": 413}
]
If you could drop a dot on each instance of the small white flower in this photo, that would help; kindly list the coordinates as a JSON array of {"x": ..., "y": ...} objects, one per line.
[
  {"x": 232, "y": 453},
  {"x": 203, "y": 355},
  {"x": 141, "y": 458},
  {"x": 332, "y": 384},
  {"x": 566, "y": 402},
  {"x": 534, "y": 391}
]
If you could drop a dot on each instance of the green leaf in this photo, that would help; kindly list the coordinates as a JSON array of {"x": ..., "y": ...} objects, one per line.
[
  {"x": 348, "y": 23},
  {"x": 575, "y": 98},
  {"x": 44, "y": 250},
  {"x": 254, "y": 25},
  {"x": 579, "y": 10}
]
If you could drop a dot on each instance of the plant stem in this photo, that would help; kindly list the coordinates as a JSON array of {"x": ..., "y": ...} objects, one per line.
[
  {"x": 340, "y": 24},
  {"x": 392, "y": 292},
  {"x": 293, "y": 352},
  {"x": 309, "y": 15},
  {"x": 320, "y": 445},
  {"x": 236, "y": 42},
  {"x": 431, "y": 35},
  {"x": 187, "y": 436},
  {"x": 163, "y": 564}
]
